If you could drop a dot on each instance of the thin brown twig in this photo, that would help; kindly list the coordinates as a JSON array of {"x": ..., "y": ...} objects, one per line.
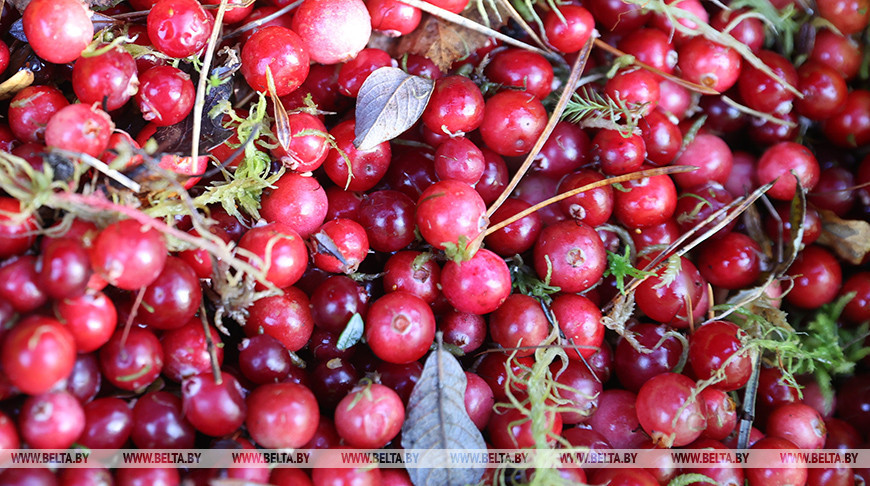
[
  {"x": 506, "y": 4},
  {"x": 567, "y": 91},
  {"x": 209, "y": 345},
  {"x": 673, "y": 169}
]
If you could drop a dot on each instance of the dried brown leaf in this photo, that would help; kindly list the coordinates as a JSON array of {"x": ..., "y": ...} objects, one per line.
[
  {"x": 850, "y": 239},
  {"x": 15, "y": 83},
  {"x": 442, "y": 42}
]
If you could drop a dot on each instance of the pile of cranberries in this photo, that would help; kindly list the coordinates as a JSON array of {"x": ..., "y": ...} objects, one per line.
[{"x": 108, "y": 338}]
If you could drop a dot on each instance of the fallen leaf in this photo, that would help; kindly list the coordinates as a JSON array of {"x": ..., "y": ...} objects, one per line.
[
  {"x": 849, "y": 238},
  {"x": 390, "y": 101},
  {"x": 436, "y": 420},
  {"x": 442, "y": 42},
  {"x": 15, "y": 83}
]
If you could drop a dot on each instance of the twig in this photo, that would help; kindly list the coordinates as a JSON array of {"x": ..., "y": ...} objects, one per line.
[
  {"x": 209, "y": 345},
  {"x": 676, "y": 249},
  {"x": 673, "y": 169},
  {"x": 104, "y": 168},
  {"x": 272, "y": 16},
  {"x": 567, "y": 91},
  {"x": 759, "y": 114},
  {"x": 472, "y": 25},
  {"x": 506, "y": 4},
  {"x": 202, "y": 84}
]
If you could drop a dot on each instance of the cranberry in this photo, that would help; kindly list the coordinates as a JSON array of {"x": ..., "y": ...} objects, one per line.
[
  {"x": 79, "y": 128},
  {"x": 636, "y": 87},
  {"x": 709, "y": 64},
  {"x": 213, "y": 408},
  {"x": 31, "y": 109},
  {"x": 450, "y": 213},
  {"x": 645, "y": 202},
  {"x": 477, "y": 286},
  {"x": 110, "y": 76},
  {"x": 659, "y": 352},
  {"x": 51, "y": 420},
  {"x": 732, "y": 262},
  {"x": 848, "y": 16},
  {"x": 711, "y": 155},
  {"x": 308, "y": 146},
  {"x": 455, "y": 107},
  {"x": 159, "y": 423},
  {"x": 179, "y": 28},
  {"x": 850, "y": 127},
  {"x": 778, "y": 162},
  {"x": 349, "y": 240},
  {"x": 571, "y": 255},
  {"x": 581, "y": 389},
  {"x": 761, "y": 92},
  {"x": 84, "y": 381},
  {"x": 652, "y": 47},
  {"x": 463, "y": 330},
  {"x": 393, "y": 18},
  {"x": 165, "y": 95},
  {"x": 616, "y": 419},
  {"x": 617, "y": 154},
  {"x": 512, "y": 122},
  {"x": 519, "y": 322},
  {"x": 670, "y": 302},
  {"x": 370, "y": 416},
  {"x": 817, "y": 278},
  {"x": 839, "y": 52},
  {"x": 569, "y": 32},
  {"x": 37, "y": 353},
  {"x": 721, "y": 413},
  {"x": 278, "y": 251},
  {"x": 413, "y": 272},
  {"x": 133, "y": 360},
  {"x": 517, "y": 237},
  {"x": 511, "y": 428},
  {"x": 288, "y": 64},
  {"x": 297, "y": 201},
  {"x": 282, "y": 415},
  {"x": 185, "y": 350},
  {"x": 58, "y": 30},
  {"x": 173, "y": 298},
  {"x": 795, "y": 473},
  {"x": 367, "y": 167},
  {"x": 335, "y": 301},
  {"x": 669, "y": 411},
  {"x": 388, "y": 218},
  {"x": 318, "y": 21},
  {"x": 399, "y": 327},
  {"x": 128, "y": 255},
  {"x": 824, "y": 90},
  {"x": 286, "y": 317},
  {"x": 108, "y": 424},
  {"x": 579, "y": 319}
]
